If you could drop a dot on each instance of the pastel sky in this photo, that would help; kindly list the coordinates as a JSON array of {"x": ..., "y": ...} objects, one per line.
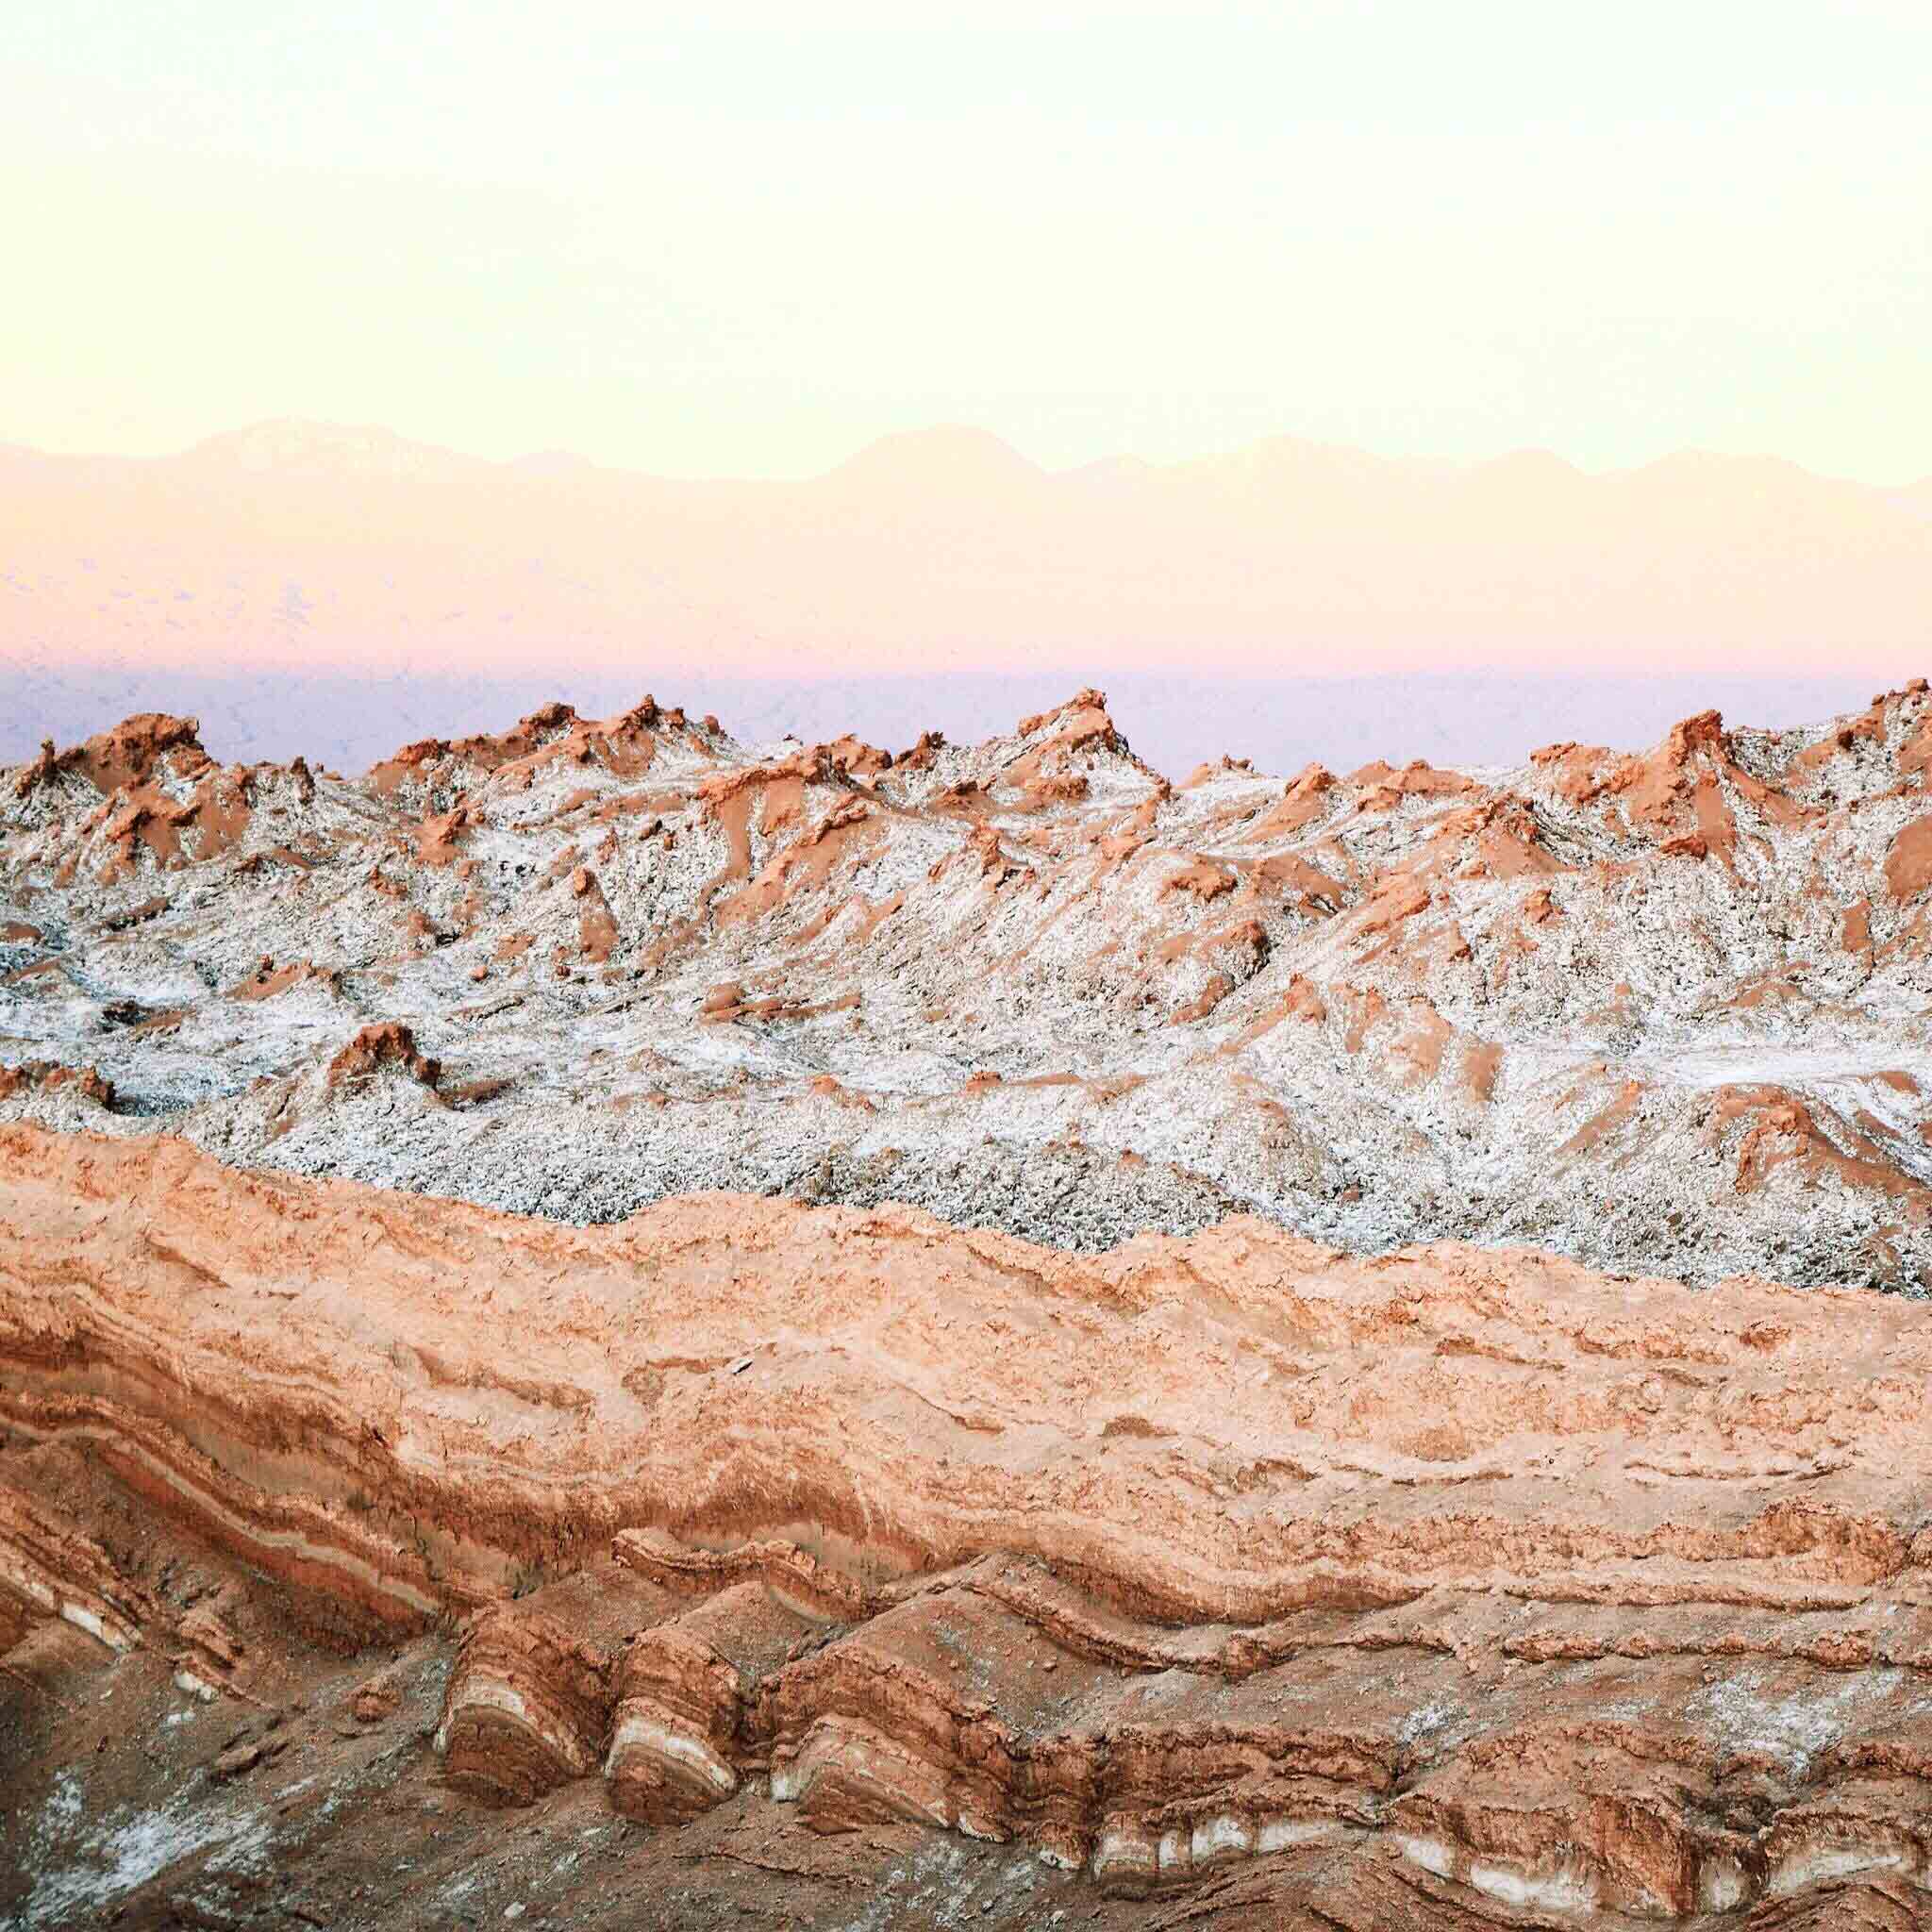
[{"x": 711, "y": 239}]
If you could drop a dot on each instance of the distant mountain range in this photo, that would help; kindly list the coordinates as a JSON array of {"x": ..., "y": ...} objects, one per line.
[{"x": 304, "y": 546}]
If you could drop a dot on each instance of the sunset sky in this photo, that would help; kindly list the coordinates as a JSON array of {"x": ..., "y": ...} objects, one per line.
[{"x": 710, "y": 239}]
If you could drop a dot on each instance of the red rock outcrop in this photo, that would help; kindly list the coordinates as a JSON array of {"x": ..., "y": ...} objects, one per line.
[
  {"x": 386, "y": 1043},
  {"x": 1505, "y": 1586},
  {"x": 268, "y": 979},
  {"x": 121, "y": 758},
  {"x": 51, "y": 1076}
]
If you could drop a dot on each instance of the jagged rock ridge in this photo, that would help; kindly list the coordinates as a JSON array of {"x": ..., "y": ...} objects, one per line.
[{"x": 1663, "y": 1011}]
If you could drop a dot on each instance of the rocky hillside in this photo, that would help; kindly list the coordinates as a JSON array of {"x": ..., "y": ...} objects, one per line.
[
  {"x": 1038, "y": 1494},
  {"x": 1663, "y": 1011},
  {"x": 835, "y": 1568}
]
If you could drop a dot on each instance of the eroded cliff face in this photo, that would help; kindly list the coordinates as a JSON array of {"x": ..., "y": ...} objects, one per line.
[
  {"x": 756, "y": 1556},
  {"x": 1664, "y": 1012}
]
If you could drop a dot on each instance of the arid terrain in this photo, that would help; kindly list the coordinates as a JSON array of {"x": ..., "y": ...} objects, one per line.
[
  {"x": 1665, "y": 1012},
  {"x": 602, "y": 1327}
]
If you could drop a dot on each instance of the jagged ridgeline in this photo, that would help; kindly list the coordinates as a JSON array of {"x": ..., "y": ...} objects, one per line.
[{"x": 1665, "y": 1012}]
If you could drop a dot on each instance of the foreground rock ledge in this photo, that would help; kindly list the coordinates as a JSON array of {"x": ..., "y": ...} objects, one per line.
[{"x": 1457, "y": 1585}]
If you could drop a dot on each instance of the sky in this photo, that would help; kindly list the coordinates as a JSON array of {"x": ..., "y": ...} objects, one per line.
[{"x": 717, "y": 240}]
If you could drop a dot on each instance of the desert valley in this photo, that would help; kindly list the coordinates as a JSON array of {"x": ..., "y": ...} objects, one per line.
[{"x": 602, "y": 1325}]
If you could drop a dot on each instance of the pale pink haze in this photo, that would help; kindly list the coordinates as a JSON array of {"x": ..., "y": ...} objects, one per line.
[{"x": 302, "y": 545}]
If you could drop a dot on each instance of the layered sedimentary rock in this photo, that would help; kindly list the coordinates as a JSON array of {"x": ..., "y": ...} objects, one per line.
[
  {"x": 1455, "y": 1585},
  {"x": 1204, "y": 1557}
]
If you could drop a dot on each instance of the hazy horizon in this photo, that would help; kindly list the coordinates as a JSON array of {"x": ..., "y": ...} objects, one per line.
[
  {"x": 1217, "y": 346},
  {"x": 298, "y": 546},
  {"x": 742, "y": 244},
  {"x": 555, "y": 454}
]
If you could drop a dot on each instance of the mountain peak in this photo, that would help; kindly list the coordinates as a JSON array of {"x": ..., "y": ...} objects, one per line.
[
  {"x": 949, "y": 459},
  {"x": 299, "y": 446}
]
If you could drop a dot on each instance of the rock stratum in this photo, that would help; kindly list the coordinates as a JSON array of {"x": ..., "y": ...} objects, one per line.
[
  {"x": 1666, "y": 1012},
  {"x": 377, "y": 1559},
  {"x": 604, "y": 1327}
]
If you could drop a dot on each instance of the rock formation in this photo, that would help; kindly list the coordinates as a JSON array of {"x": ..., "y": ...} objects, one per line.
[
  {"x": 1059, "y": 1486},
  {"x": 1662, "y": 1013},
  {"x": 1464, "y": 1584}
]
